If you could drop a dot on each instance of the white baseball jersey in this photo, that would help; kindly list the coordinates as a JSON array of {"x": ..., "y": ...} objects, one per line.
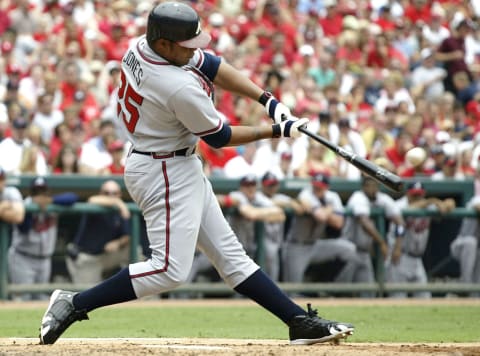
[
  {"x": 417, "y": 230},
  {"x": 305, "y": 229},
  {"x": 362, "y": 206},
  {"x": 164, "y": 107}
]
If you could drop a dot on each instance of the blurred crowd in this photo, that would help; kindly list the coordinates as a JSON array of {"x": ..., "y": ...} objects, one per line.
[{"x": 376, "y": 77}]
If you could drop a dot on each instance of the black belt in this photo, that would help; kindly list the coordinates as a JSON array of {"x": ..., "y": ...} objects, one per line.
[{"x": 156, "y": 155}]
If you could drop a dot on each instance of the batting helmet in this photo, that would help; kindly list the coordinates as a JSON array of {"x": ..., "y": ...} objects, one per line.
[{"x": 176, "y": 22}]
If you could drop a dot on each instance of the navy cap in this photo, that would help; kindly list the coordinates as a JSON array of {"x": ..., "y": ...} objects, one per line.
[
  {"x": 415, "y": 188},
  {"x": 269, "y": 179},
  {"x": 321, "y": 180},
  {"x": 39, "y": 184},
  {"x": 249, "y": 179}
]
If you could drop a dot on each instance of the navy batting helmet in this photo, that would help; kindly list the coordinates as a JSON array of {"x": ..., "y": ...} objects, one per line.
[{"x": 176, "y": 22}]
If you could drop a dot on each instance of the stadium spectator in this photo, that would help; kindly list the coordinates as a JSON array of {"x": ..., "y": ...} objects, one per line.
[
  {"x": 46, "y": 117},
  {"x": 427, "y": 78},
  {"x": 451, "y": 52},
  {"x": 66, "y": 161},
  {"x": 12, "y": 210},
  {"x": 117, "y": 151},
  {"x": 13, "y": 149},
  {"x": 94, "y": 157}
]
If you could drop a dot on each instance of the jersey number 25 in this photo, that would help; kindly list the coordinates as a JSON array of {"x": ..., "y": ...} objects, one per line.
[{"x": 131, "y": 102}]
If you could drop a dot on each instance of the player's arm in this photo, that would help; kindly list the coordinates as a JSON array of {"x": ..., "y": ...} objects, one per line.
[
  {"x": 231, "y": 79},
  {"x": 266, "y": 214},
  {"x": 112, "y": 202},
  {"x": 12, "y": 212},
  {"x": 369, "y": 227}
]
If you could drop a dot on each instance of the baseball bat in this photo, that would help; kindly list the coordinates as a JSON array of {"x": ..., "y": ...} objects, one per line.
[{"x": 381, "y": 175}]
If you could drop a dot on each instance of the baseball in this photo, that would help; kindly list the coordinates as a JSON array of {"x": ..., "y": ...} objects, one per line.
[{"x": 416, "y": 156}]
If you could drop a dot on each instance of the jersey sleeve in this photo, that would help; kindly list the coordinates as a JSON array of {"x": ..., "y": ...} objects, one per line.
[
  {"x": 206, "y": 62},
  {"x": 195, "y": 110},
  {"x": 391, "y": 209},
  {"x": 359, "y": 204}
]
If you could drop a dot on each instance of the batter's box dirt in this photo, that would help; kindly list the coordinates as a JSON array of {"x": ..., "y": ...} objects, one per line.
[{"x": 147, "y": 346}]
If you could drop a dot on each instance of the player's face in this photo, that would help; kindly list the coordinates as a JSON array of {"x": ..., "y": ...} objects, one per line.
[
  {"x": 177, "y": 54},
  {"x": 370, "y": 188}
]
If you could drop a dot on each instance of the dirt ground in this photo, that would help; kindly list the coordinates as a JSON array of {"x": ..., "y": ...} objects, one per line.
[{"x": 234, "y": 347}]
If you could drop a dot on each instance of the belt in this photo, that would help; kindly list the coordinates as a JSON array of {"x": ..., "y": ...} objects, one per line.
[
  {"x": 26, "y": 254},
  {"x": 161, "y": 155}
]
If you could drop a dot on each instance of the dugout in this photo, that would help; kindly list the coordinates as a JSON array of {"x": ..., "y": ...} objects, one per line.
[{"x": 437, "y": 261}]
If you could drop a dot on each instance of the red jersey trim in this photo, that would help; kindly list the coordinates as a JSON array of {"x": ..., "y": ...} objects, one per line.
[{"x": 208, "y": 132}]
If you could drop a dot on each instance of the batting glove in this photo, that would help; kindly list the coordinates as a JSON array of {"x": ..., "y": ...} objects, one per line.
[
  {"x": 275, "y": 109},
  {"x": 289, "y": 127}
]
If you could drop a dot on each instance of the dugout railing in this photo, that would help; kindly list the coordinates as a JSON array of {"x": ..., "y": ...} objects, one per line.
[
  {"x": 379, "y": 287},
  {"x": 461, "y": 191}
]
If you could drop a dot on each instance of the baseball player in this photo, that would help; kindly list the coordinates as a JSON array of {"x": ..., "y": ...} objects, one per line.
[
  {"x": 405, "y": 263},
  {"x": 361, "y": 229},
  {"x": 313, "y": 237},
  {"x": 33, "y": 241},
  {"x": 465, "y": 248},
  {"x": 252, "y": 207},
  {"x": 165, "y": 104}
]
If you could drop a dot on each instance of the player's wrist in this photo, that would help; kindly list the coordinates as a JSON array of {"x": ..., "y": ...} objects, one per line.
[
  {"x": 276, "y": 131},
  {"x": 263, "y": 99}
]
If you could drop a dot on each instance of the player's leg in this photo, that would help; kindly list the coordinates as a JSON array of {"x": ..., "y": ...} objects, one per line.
[
  {"x": 397, "y": 273},
  {"x": 297, "y": 257},
  {"x": 464, "y": 249},
  {"x": 20, "y": 271},
  {"x": 217, "y": 240},
  {"x": 165, "y": 193},
  {"x": 85, "y": 268},
  {"x": 364, "y": 272},
  {"x": 420, "y": 276},
  {"x": 272, "y": 258}
]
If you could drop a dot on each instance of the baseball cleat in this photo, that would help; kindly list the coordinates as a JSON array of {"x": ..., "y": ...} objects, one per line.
[
  {"x": 59, "y": 315},
  {"x": 312, "y": 329}
]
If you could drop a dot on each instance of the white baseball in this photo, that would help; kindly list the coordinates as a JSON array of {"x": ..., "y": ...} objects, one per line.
[{"x": 416, "y": 156}]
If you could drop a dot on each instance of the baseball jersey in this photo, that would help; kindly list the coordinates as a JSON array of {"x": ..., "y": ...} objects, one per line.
[
  {"x": 470, "y": 226},
  {"x": 10, "y": 194},
  {"x": 172, "y": 116},
  {"x": 417, "y": 230},
  {"x": 245, "y": 229},
  {"x": 361, "y": 205},
  {"x": 305, "y": 229},
  {"x": 37, "y": 235}
]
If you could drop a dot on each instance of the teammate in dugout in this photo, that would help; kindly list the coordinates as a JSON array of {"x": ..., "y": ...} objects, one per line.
[
  {"x": 360, "y": 228},
  {"x": 33, "y": 240},
  {"x": 314, "y": 235},
  {"x": 405, "y": 263},
  {"x": 252, "y": 207},
  {"x": 165, "y": 103}
]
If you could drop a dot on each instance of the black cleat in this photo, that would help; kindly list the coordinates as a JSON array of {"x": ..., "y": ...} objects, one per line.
[
  {"x": 59, "y": 316},
  {"x": 311, "y": 329}
]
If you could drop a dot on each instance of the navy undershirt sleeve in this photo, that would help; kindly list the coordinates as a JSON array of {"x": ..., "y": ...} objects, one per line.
[
  {"x": 210, "y": 65},
  {"x": 219, "y": 138}
]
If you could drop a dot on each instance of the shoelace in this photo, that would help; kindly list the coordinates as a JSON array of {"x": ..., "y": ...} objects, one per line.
[{"x": 311, "y": 312}]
